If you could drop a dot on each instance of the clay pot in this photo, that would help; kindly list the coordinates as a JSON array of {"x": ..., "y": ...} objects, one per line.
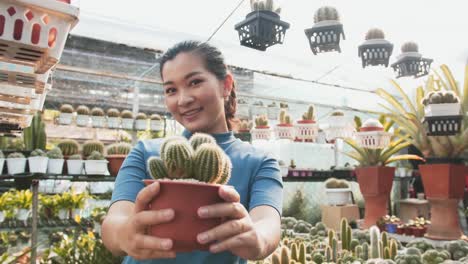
[
  {"x": 185, "y": 198},
  {"x": 400, "y": 230},
  {"x": 115, "y": 162}
]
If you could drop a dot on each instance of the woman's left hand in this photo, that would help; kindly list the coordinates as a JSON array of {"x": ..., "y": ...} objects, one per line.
[{"x": 237, "y": 234}]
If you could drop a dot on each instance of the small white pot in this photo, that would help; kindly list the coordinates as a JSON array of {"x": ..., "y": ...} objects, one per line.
[
  {"x": 96, "y": 167},
  {"x": 22, "y": 214},
  {"x": 16, "y": 165},
  {"x": 55, "y": 166},
  {"x": 156, "y": 125},
  {"x": 113, "y": 122},
  {"x": 38, "y": 164},
  {"x": 141, "y": 124},
  {"x": 2, "y": 216},
  {"x": 452, "y": 109},
  {"x": 82, "y": 120},
  {"x": 2, "y": 163},
  {"x": 98, "y": 121},
  {"x": 65, "y": 118},
  {"x": 339, "y": 196},
  {"x": 284, "y": 171},
  {"x": 75, "y": 167},
  {"x": 63, "y": 214},
  {"x": 127, "y": 123}
]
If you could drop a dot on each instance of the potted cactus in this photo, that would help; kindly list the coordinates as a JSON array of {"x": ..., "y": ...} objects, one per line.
[
  {"x": 243, "y": 131},
  {"x": 127, "y": 119},
  {"x": 2, "y": 161},
  {"x": 66, "y": 114},
  {"x": 262, "y": 129},
  {"x": 55, "y": 165},
  {"x": 156, "y": 122},
  {"x": 273, "y": 111},
  {"x": 262, "y": 27},
  {"x": 92, "y": 145},
  {"x": 338, "y": 192},
  {"x": 96, "y": 164},
  {"x": 371, "y": 135},
  {"x": 410, "y": 62},
  {"x": 284, "y": 129},
  {"x": 116, "y": 154},
  {"x": 190, "y": 174},
  {"x": 141, "y": 122},
  {"x": 75, "y": 164},
  {"x": 98, "y": 118},
  {"x": 306, "y": 130},
  {"x": 338, "y": 127},
  {"x": 82, "y": 115},
  {"x": 38, "y": 161},
  {"x": 326, "y": 33},
  {"x": 113, "y": 120},
  {"x": 376, "y": 50},
  {"x": 16, "y": 163},
  {"x": 69, "y": 147},
  {"x": 243, "y": 110},
  {"x": 442, "y": 113}
]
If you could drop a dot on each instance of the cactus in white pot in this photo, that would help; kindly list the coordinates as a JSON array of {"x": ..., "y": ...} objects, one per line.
[
  {"x": 113, "y": 118},
  {"x": 156, "y": 122},
  {"x": 82, "y": 115},
  {"x": 38, "y": 161},
  {"x": 56, "y": 160},
  {"x": 96, "y": 164},
  {"x": 98, "y": 117},
  {"x": 75, "y": 164},
  {"x": 141, "y": 121},
  {"x": 16, "y": 163},
  {"x": 127, "y": 119},
  {"x": 66, "y": 114}
]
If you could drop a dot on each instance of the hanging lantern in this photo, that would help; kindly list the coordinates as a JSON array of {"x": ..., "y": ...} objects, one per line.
[
  {"x": 325, "y": 35},
  {"x": 410, "y": 62},
  {"x": 372, "y": 135},
  {"x": 285, "y": 129},
  {"x": 306, "y": 130},
  {"x": 262, "y": 27},
  {"x": 338, "y": 127},
  {"x": 376, "y": 50},
  {"x": 262, "y": 130},
  {"x": 442, "y": 114}
]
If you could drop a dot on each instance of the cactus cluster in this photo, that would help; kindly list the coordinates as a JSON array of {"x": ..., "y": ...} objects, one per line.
[
  {"x": 375, "y": 33},
  {"x": 326, "y": 13},
  {"x": 121, "y": 148},
  {"x": 126, "y": 114},
  {"x": 156, "y": 117},
  {"x": 75, "y": 157},
  {"x": 458, "y": 249},
  {"x": 420, "y": 244},
  {"x": 284, "y": 118},
  {"x": 69, "y": 147},
  {"x": 113, "y": 112},
  {"x": 433, "y": 256},
  {"x": 284, "y": 105},
  {"x": 261, "y": 121},
  {"x": 66, "y": 108},
  {"x": 34, "y": 136},
  {"x": 310, "y": 114},
  {"x": 412, "y": 255},
  {"x": 38, "y": 153},
  {"x": 409, "y": 47},
  {"x": 381, "y": 246},
  {"x": 200, "y": 159},
  {"x": 141, "y": 116},
  {"x": 55, "y": 153},
  {"x": 15, "y": 155},
  {"x": 267, "y": 5},
  {"x": 95, "y": 155},
  {"x": 97, "y": 111},
  {"x": 92, "y": 145},
  {"x": 82, "y": 110},
  {"x": 337, "y": 113},
  {"x": 245, "y": 125},
  {"x": 440, "y": 97},
  {"x": 334, "y": 183}
]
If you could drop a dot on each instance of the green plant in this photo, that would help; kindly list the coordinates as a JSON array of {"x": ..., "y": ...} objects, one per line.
[
  {"x": 141, "y": 116},
  {"x": 273, "y": 104},
  {"x": 121, "y": 148},
  {"x": 97, "y": 111},
  {"x": 55, "y": 153},
  {"x": 284, "y": 118},
  {"x": 433, "y": 256},
  {"x": 245, "y": 125},
  {"x": 69, "y": 147},
  {"x": 78, "y": 200},
  {"x": 38, "y": 153},
  {"x": 92, "y": 145},
  {"x": 15, "y": 155},
  {"x": 34, "y": 136},
  {"x": 198, "y": 139},
  {"x": 333, "y": 183},
  {"x": 458, "y": 249},
  {"x": 261, "y": 121},
  {"x": 337, "y": 113},
  {"x": 412, "y": 255},
  {"x": 113, "y": 112},
  {"x": 155, "y": 117},
  {"x": 95, "y": 155},
  {"x": 66, "y": 108},
  {"x": 98, "y": 214},
  {"x": 409, "y": 115},
  {"x": 64, "y": 201},
  {"x": 375, "y": 33},
  {"x": 440, "y": 97},
  {"x": 75, "y": 157},
  {"x": 82, "y": 110},
  {"x": 420, "y": 244},
  {"x": 297, "y": 206},
  {"x": 267, "y": 5},
  {"x": 283, "y": 105},
  {"x": 326, "y": 13},
  {"x": 22, "y": 199},
  {"x": 409, "y": 47},
  {"x": 374, "y": 246},
  {"x": 310, "y": 114}
]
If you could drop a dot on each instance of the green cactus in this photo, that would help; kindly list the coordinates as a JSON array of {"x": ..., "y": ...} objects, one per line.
[
  {"x": 294, "y": 252},
  {"x": 275, "y": 259},
  {"x": 285, "y": 257},
  {"x": 412, "y": 256},
  {"x": 38, "y": 153},
  {"x": 337, "y": 113},
  {"x": 127, "y": 114},
  {"x": 201, "y": 138},
  {"x": 156, "y": 117},
  {"x": 55, "y": 153},
  {"x": 384, "y": 239},
  {"x": 386, "y": 253},
  {"x": 209, "y": 160},
  {"x": 69, "y": 147},
  {"x": 141, "y": 116},
  {"x": 365, "y": 251},
  {"x": 433, "y": 256},
  {"x": 309, "y": 115},
  {"x": 420, "y": 244},
  {"x": 75, "y": 157},
  {"x": 156, "y": 168},
  {"x": 326, "y": 13},
  {"x": 358, "y": 251},
  {"x": 328, "y": 254},
  {"x": 261, "y": 121},
  {"x": 162, "y": 150},
  {"x": 393, "y": 249},
  {"x": 282, "y": 115},
  {"x": 178, "y": 159},
  {"x": 34, "y": 136},
  {"x": 458, "y": 249},
  {"x": 331, "y": 235},
  {"x": 121, "y": 148},
  {"x": 92, "y": 145},
  {"x": 374, "y": 238},
  {"x": 97, "y": 111},
  {"x": 113, "y": 112},
  {"x": 302, "y": 253},
  {"x": 15, "y": 155},
  {"x": 375, "y": 33},
  {"x": 66, "y": 108},
  {"x": 344, "y": 234},
  {"x": 409, "y": 47},
  {"x": 318, "y": 258},
  {"x": 82, "y": 110},
  {"x": 95, "y": 155},
  {"x": 335, "y": 249},
  {"x": 381, "y": 249},
  {"x": 226, "y": 173}
]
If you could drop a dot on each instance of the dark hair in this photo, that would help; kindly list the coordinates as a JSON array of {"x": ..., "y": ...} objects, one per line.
[{"x": 214, "y": 63}]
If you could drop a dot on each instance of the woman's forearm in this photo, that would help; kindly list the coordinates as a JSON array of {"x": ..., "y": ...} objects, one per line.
[
  {"x": 267, "y": 225},
  {"x": 113, "y": 227}
]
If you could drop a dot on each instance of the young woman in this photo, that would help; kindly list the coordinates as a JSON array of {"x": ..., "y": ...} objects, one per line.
[{"x": 200, "y": 94}]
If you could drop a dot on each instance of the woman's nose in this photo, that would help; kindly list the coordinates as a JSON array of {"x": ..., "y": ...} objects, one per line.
[{"x": 185, "y": 99}]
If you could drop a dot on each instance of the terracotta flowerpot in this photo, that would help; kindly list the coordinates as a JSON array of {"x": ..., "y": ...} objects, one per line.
[
  {"x": 375, "y": 184},
  {"x": 408, "y": 231},
  {"x": 185, "y": 198},
  {"x": 418, "y": 232},
  {"x": 115, "y": 162},
  {"x": 444, "y": 185},
  {"x": 400, "y": 230}
]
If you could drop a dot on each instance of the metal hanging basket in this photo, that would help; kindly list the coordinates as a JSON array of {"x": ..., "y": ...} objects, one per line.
[
  {"x": 325, "y": 36},
  {"x": 443, "y": 119},
  {"x": 375, "y": 52},
  {"x": 412, "y": 64}
]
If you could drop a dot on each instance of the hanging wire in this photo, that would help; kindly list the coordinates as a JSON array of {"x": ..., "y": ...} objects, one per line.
[{"x": 219, "y": 27}]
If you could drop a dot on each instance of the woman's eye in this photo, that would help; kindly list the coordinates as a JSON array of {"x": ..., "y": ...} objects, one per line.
[
  {"x": 170, "y": 90},
  {"x": 195, "y": 82}
]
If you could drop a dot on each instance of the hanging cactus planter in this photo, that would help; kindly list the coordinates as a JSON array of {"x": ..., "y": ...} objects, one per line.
[
  {"x": 411, "y": 63},
  {"x": 372, "y": 135},
  {"x": 262, "y": 28},
  {"x": 326, "y": 33},
  {"x": 376, "y": 50},
  {"x": 442, "y": 114}
]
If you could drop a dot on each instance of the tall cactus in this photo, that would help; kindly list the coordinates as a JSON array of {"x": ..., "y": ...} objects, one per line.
[
  {"x": 384, "y": 238},
  {"x": 294, "y": 252},
  {"x": 358, "y": 251},
  {"x": 226, "y": 173},
  {"x": 156, "y": 168},
  {"x": 309, "y": 115},
  {"x": 285, "y": 258},
  {"x": 374, "y": 239},
  {"x": 208, "y": 160},
  {"x": 178, "y": 159},
  {"x": 302, "y": 253},
  {"x": 381, "y": 249},
  {"x": 335, "y": 249},
  {"x": 328, "y": 254},
  {"x": 365, "y": 251},
  {"x": 393, "y": 249},
  {"x": 386, "y": 253},
  {"x": 69, "y": 147},
  {"x": 331, "y": 235},
  {"x": 92, "y": 145},
  {"x": 275, "y": 259},
  {"x": 200, "y": 138},
  {"x": 34, "y": 136}
]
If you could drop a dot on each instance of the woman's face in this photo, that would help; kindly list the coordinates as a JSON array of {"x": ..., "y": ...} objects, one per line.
[{"x": 193, "y": 95}]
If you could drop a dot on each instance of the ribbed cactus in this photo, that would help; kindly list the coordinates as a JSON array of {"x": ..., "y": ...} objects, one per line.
[
  {"x": 15, "y": 155},
  {"x": 331, "y": 235},
  {"x": 409, "y": 47},
  {"x": 335, "y": 249},
  {"x": 393, "y": 249},
  {"x": 121, "y": 148},
  {"x": 375, "y": 33},
  {"x": 97, "y": 111},
  {"x": 141, "y": 116},
  {"x": 275, "y": 258},
  {"x": 95, "y": 155},
  {"x": 209, "y": 162},
  {"x": 38, "y": 153},
  {"x": 261, "y": 121},
  {"x": 326, "y": 13},
  {"x": 384, "y": 239},
  {"x": 34, "y": 136},
  {"x": 155, "y": 117},
  {"x": 178, "y": 159},
  {"x": 309, "y": 115},
  {"x": 69, "y": 147},
  {"x": 365, "y": 251},
  {"x": 302, "y": 253},
  {"x": 113, "y": 112},
  {"x": 282, "y": 115},
  {"x": 245, "y": 125},
  {"x": 354, "y": 243},
  {"x": 92, "y": 145},
  {"x": 374, "y": 239},
  {"x": 156, "y": 168},
  {"x": 66, "y": 108},
  {"x": 285, "y": 257},
  {"x": 386, "y": 253},
  {"x": 82, "y": 110},
  {"x": 358, "y": 251},
  {"x": 328, "y": 254},
  {"x": 162, "y": 150},
  {"x": 200, "y": 138},
  {"x": 75, "y": 157},
  {"x": 344, "y": 234},
  {"x": 126, "y": 114},
  {"x": 294, "y": 252},
  {"x": 55, "y": 153},
  {"x": 226, "y": 174}
]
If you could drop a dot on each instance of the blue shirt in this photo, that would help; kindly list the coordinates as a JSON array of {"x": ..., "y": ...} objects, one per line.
[{"x": 255, "y": 175}]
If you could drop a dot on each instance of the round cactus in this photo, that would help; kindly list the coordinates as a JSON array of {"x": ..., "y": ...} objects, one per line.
[
  {"x": 178, "y": 159},
  {"x": 66, "y": 108},
  {"x": 75, "y": 157},
  {"x": 69, "y": 147},
  {"x": 156, "y": 117},
  {"x": 55, "y": 153},
  {"x": 38, "y": 153},
  {"x": 141, "y": 116},
  {"x": 162, "y": 150},
  {"x": 372, "y": 123},
  {"x": 208, "y": 160},
  {"x": 121, "y": 148},
  {"x": 82, "y": 110},
  {"x": 409, "y": 47},
  {"x": 261, "y": 121},
  {"x": 375, "y": 33},
  {"x": 156, "y": 168},
  {"x": 97, "y": 111},
  {"x": 95, "y": 155},
  {"x": 309, "y": 115},
  {"x": 113, "y": 112},
  {"x": 226, "y": 172},
  {"x": 201, "y": 138},
  {"x": 326, "y": 13},
  {"x": 126, "y": 114},
  {"x": 15, "y": 155},
  {"x": 92, "y": 145}
]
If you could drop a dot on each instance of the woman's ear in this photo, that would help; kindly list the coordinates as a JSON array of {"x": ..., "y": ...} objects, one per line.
[{"x": 228, "y": 84}]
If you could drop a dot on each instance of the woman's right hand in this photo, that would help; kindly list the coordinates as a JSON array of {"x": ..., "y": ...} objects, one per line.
[{"x": 134, "y": 239}]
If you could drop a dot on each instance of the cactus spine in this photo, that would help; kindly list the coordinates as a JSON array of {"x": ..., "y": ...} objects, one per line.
[
  {"x": 178, "y": 159},
  {"x": 35, "y": 136},
  {"x": 156, "y": 168},
  {"x": 374, "y": 239},
  {"x": 69, "y": 147},
  {"x": 226, "y": 173},
  {"x": 199, "y": 138},
  {"x": 209, "y": 163},
  {"x": 162, "y": 150}
]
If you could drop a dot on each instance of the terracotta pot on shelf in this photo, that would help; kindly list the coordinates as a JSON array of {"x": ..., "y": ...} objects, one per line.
[
  {"x": 400, "y": 230},
  {"x": 375, "y": 184},
  {"x": 115, "y": 162}
]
